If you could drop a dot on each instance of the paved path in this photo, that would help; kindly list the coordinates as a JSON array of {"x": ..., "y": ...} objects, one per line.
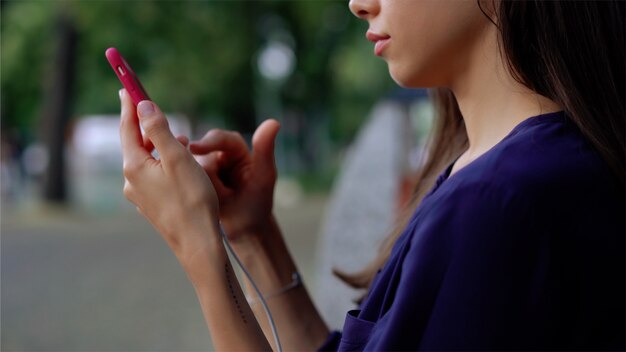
[{"x": 79, "y": 282}]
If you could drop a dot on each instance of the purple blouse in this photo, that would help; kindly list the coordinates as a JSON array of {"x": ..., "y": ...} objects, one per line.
[{"x": 521, "y": 249}]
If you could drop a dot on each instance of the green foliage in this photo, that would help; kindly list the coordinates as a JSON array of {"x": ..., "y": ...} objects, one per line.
[
  {"x": 194, "y": 57},
  {"x": 26, "y": 42}
]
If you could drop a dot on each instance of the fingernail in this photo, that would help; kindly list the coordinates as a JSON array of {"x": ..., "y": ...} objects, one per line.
[
  {"x": 145, "y": 107},
  {"x": 121, "y": 93}
]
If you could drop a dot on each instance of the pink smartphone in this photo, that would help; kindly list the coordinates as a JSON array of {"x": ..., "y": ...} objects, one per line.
[{"x": 126, "y": 75}]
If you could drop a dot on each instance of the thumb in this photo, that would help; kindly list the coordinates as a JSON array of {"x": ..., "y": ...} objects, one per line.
[
  {"x": 263, "y": 142},
  {"x": 157, "y": 129}
]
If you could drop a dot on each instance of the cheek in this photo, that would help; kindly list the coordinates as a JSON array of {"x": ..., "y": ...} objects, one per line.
[
  {"x": 417, "y": 67},
  {"x": 417, "y": 62},
  {"x": 432, "y": 45}
]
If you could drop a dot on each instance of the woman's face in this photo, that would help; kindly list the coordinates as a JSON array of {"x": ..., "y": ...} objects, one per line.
[{"x": 426, "y": 43}]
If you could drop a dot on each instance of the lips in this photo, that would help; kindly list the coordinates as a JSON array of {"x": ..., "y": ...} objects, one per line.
[{"x": 380, "y": 41}]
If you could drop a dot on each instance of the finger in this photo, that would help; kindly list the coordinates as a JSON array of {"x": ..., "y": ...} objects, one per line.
[
  {"x": 211, "y": 165},
  {"x": 184, "y": 140},
  {"x": 229, "y": 142},
  {"x": 263, "y": 142},
  {"x": 212, "y": 162},
  {"x": 158, "y": 131},
  {"x": 147, "y": 143},
  {"x": 130, "y": 133}
]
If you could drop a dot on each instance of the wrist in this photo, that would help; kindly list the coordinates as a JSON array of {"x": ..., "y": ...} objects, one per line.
[
  {"x": 267, "y": 258},
  {"x": 200, "y": 244},
  {"x": 296, "y": 282},
  {"x": 253, "y": 242}
]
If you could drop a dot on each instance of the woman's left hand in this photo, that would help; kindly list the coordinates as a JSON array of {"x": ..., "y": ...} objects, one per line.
[{"x": 172, "y": 192}]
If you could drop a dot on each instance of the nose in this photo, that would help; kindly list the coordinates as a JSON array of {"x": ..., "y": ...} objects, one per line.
[{"x": 365, "y": 9}]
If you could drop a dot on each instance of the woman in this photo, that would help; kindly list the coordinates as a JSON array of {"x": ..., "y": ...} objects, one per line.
[{"x": 519, "y": 244}]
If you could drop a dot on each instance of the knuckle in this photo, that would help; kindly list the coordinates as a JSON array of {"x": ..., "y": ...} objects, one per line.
[
  {"x": 237, "y": 135},
  {"x": 176, "y": 156},
  {"x": 214, "y": 133},
  {"x": 123, "y": 122},
  {"x": 130, "y": 170},
  {"x": 127, "y": 190},
  {"x": 154, "y": 125}
]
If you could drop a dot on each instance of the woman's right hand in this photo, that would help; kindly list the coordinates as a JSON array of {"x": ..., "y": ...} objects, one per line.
[
  {"x": 243, "y": 179},
  {"x": 244, "y": 182}
]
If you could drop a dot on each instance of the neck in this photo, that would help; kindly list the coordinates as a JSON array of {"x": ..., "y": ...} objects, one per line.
[{"x": 491, "y": 101}]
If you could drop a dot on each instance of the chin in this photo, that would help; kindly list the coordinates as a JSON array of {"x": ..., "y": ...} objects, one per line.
[{"x": 410, "y": 77}]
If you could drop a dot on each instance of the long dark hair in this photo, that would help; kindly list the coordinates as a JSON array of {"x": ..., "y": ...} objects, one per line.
[{"x": 571, "y": 52}]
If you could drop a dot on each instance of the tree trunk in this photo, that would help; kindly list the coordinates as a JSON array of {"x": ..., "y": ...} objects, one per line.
[
  {"x": 57, "y": 108},
  {"x": 241, "y": 109}
]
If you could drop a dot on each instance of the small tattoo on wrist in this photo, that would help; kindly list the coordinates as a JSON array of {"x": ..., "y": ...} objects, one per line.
[{"x": 232, "y": 292}]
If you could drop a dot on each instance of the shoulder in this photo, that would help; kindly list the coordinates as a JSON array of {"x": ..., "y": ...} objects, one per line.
[
  {"x": 509, "y": 233},
  {"x": 545, "y": 160},
  {"x": 544, "y": 177}
]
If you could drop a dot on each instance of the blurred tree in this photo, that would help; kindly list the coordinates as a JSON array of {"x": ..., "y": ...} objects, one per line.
[
  {"x": 27, "y": 40},
  {"x": 57, "y": 106},
  {"x": 199, "y": 59},
  {"x": 193, "y": 57}
]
